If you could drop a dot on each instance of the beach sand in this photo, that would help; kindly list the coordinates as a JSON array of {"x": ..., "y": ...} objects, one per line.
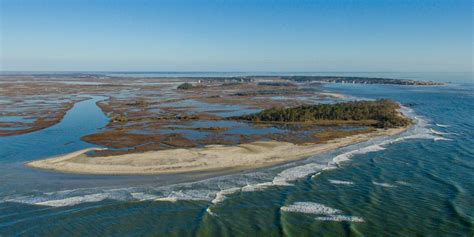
[
  {"x": 210, "y": 158},
  {"x": 332, "y": 94}
]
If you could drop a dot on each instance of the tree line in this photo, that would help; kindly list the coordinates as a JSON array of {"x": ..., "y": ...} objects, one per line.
[{"x": 383, "y": 111}]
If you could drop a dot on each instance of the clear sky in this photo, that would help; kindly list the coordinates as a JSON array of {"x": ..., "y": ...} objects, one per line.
[{"x": 293, "y": 35}]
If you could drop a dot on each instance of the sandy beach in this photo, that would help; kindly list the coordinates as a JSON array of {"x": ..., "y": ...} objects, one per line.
[{"x": 210, "y": 158}]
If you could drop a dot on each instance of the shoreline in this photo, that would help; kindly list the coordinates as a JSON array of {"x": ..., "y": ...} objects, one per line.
[{"x": 211, "y": 158}]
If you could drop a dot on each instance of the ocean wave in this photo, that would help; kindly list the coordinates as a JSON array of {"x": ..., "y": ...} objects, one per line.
[
  {"x": 441, "y": 133},
  {"x": 340, "y": 218},
  {"x": 186, "y": 195},
  {"x": 403, "y": 183},
  {"x": 323, "y": 212},
  {"x": 310, "y": 208},
  {"x": 71, "y": 201},
  {"x": 143, "y": 196},
  {"x": 222, "y": 195},
  {"x": 209, "y": 211},
  {"x": 298, "y": 172},
  {"x": 441, "y": 139},
  {"x": 385, "y": 185},
  {"x": 281, "y": 179},
  {"x": 335, "y": 181},
  {"x": 442, "y": 125},
  {"x": 418, "y": 131},
  {"x": 257, "y": 187},
  {"x": 167, "y": 199},
  {"x": 346, "y": 156},
  {"x": 437, "y": 132},
  {"x": 215, "y": 190},
  {"x": 70, "y": 197}
]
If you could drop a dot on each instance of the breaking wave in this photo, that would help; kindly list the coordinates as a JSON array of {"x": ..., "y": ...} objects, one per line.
[
  {"x": 216, "y": 190},
  {"x": 346, "y": 156},
  {"x": 438, "y": 132},
  {"x": 324, "y": 213},
  {"x": 334, "y": 181},
  {"x": 71, "y": 201},
  {"x": 221, "y": 195},
  {"x": 310, "y": 208},
  {"x": 340, "y": 218},
  {"x": 385, "y": 185}
]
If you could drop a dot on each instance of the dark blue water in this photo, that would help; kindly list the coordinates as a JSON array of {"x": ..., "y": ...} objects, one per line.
[{"x": 420, "y": 183}]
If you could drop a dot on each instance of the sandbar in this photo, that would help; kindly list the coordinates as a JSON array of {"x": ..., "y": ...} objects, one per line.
[{"x": 210, "y": 158}]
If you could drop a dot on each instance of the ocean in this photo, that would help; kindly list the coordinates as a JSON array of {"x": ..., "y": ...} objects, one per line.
[{"x": 418, "y": 183}]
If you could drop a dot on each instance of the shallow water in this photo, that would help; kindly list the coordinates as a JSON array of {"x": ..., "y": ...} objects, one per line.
[
  {"x": 15, "y": 119},
  {"x": 418, "y": 183}
]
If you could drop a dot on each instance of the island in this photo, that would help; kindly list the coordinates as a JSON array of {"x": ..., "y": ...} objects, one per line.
[
  {"x": 380, "y": 113},
  {"x": 362, "y": 80},
  {"x": 157, "y": 125},
  {"x": 32, "y": 102},
  {"x": 368, "y": 119}
]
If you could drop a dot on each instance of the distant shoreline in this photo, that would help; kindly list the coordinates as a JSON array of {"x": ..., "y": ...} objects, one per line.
[{"x": 222, "y": 76}]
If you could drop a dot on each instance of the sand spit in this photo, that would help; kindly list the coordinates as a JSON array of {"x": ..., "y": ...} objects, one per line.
[
  {"x": 335, "y": 95},
  {"x": 210, "y": 158}
]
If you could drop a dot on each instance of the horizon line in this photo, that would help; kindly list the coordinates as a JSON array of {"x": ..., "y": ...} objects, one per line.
[{"x": 194, "y": 71}]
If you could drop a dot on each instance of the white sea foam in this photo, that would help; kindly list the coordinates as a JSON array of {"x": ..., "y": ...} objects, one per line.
[
  {"x": 71, "y": 201},
  {"x": 209, "y": 211},
  {"x": 442, "y": 125},
  {"x": 385, "y": 185},
  {"x": 419, "y": 131},
  {"x": 441, "y": 139},
  {"x": 441, "y": 133},
  {"x": 167, "y": 199},
  {"x": 216, "y": 189},
  {"x": 221, "y": 195},
  {"x": 323, "y": 212},
  {"x": 340, "y": 218},
  {"x": 256, "y": 187},
  {"x": 330, "y": 167},
  {"x": 281, "y": 179},
  {"x": 185, "y": 195},
  {"x": 315, "y": 175},
  {"x": 347, "y": 155},
  {"x": 143, "y": 196},
  {"x": 298, "y": 172},
  {"x": 334, "y": 181},
  {"x": 403, "y": 183},
  {"x": 437, "y": 132},
  {"x": 310, "y": 208}
]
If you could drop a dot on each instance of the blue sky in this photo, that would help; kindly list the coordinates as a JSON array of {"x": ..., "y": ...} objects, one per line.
[{"x": 293, "y": 35}]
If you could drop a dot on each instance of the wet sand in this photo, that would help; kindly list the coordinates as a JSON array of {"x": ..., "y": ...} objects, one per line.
[{"x": 248, "y": 156}]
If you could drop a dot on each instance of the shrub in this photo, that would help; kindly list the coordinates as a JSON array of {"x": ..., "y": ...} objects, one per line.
[
  {"x": 185, "y": 86},
  {"x": 383, "y": 111}
]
